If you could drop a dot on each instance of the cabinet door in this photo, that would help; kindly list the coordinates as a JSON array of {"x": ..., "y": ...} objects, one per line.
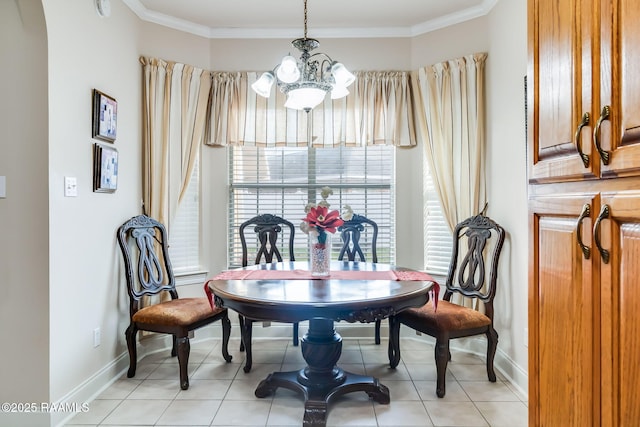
[
  {"x": 619, "y": 134},
  {"x": 619, "y": 234},
  {"x": 563, "y": 379},
  {"x": 559, "y": 82}
]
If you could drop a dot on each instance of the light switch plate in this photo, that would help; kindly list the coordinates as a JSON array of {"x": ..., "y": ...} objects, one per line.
[{"x": 70, "y": 186}]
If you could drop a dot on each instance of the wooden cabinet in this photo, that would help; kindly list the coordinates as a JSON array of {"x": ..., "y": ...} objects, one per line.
[{"x": 584, "y": 215}]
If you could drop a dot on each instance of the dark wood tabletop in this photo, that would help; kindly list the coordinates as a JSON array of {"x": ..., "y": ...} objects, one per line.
[{"x": 294, "y": 300}]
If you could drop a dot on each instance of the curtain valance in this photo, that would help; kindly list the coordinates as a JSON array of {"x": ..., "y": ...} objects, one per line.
[{"x": 377, "y": 111}]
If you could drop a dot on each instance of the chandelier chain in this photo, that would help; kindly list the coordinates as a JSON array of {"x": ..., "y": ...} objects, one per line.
[{"x": 305, "y": 19}]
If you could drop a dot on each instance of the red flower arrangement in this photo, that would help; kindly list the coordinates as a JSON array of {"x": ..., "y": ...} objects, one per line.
[{"x": 320, "y": 220}]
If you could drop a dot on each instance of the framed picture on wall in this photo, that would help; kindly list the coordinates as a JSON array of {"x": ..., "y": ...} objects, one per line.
[
  {"x": 105, "y": 169},
  {"x": 105, "y": 117}
]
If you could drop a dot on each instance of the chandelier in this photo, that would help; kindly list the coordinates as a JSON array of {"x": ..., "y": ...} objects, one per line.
[{"x": 306, "y": 81}]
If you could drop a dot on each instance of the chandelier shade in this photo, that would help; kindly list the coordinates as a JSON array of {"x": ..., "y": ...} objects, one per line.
[{"x": 306, "y": 81}]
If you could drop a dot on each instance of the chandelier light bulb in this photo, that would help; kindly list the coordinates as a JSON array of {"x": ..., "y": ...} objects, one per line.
[
  {"x": 262, "y": 86},
  {"x": 288, "y": 71},
  {"x": 341, "y": 75}
]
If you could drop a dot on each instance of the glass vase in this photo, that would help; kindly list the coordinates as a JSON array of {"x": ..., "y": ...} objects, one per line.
[{"x": 320, "y": 253}]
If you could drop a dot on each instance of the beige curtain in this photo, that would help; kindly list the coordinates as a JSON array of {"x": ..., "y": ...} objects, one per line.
[
  {"x": 379, "y": 110},
  {"x": 175, "y": 100},
  {"x": 450, "y": 117}
]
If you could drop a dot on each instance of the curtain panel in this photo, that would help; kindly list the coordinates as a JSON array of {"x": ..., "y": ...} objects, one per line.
[
  {"x": 175, "y": 100},
  {"x": 450, "y": 117},
  {"x": 379, "y": 110}
]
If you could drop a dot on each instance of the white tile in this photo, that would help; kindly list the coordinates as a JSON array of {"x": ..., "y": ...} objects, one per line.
[
  {"x": 425, "y": 372},
  {"x": 190, "y": 413},
  {"x": 384, "y": 372},
  {"x": 136, "y": 412},
  {"x": 120, "y": 389},
  {"x": 156, "y": 389},
  {"x": 453, "y": 391},
  {"x": 205, "y": 390},
  {"x": 401, "y": 390},
  {"x": 242, "y": 413},
  {"x": 486, "y": 391},
  {"x": 453, "y": 414},
  {"x": 98, "y": 411},
  {"x": 466, "y": 372},
  {"x": 350, "y": 356},
  {"x": 350, "y": 411},
  {"x": 504, "y": 414},
  {"x": 401, "y": 413},
  {"x": 243, "y": 390},
  {"x": 213, "y": 371},
  {"x": 167, "y": 371},
  {"x": 286, "y": 412}
]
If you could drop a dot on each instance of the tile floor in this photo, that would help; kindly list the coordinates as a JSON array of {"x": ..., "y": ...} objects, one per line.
[{"x": 221, "y": 394}]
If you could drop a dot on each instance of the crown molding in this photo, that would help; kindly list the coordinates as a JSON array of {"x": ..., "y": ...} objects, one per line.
[{"x": 276, "y": 33}]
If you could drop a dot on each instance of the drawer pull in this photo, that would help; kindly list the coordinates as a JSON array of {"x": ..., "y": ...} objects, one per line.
[
  {"x": 586, "y": 211},
  {"x": 584, "y": 122},
  {"x": 604, "y": 214},
  {"x": 604, "y": 115}
]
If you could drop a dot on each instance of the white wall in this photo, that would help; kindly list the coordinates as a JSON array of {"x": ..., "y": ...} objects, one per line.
[
  {"x": 87, "y": 52},
  {"x": 24, "y": 213},
  {"x": 506, "y": 166}
]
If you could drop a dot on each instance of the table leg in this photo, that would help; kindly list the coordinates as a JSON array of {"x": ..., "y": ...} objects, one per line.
[{"x": 322, "y": 380}]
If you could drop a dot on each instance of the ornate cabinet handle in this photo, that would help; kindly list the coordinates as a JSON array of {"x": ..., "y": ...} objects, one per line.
[
  {"x": 604, "y": 115},
  {"x": 604, "y": 214},
  {"x": 586, "y": 211},
  {"x": 584, "y": 122}
]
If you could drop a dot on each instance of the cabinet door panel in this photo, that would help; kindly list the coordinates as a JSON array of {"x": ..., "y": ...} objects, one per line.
[
  {"x": 560, "y": 75},
  {"x": 621, "y": 314},
  {"x": 561, "y": 316},
  {"x": 620, "y": 59}
]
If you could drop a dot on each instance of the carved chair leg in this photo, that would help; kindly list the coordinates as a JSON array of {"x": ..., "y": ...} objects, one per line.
[
  {"x": 241, "y": 321},
  {"x": 442, "y": 358},
  {"x": 296, "y": 327},
  {"x": 247, "y": 329},
  {"x": 377, "y": 333},
  {"x": 394, "y": 341},
  {"x": 492, "y": 345},
  {"x": 226, "y": 333},
  {"x": 130, "y": 335},
  {"x": 183, "y": 361}
]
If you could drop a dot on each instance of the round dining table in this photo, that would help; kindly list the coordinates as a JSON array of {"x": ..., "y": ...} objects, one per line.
[{"x": 286, "y": 292}]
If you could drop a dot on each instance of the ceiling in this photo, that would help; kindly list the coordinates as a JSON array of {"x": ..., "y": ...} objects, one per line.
[{"x": 326, "y": 18}]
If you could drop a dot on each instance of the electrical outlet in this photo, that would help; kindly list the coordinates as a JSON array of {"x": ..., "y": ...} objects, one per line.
[{"x": 97, "y": 335}]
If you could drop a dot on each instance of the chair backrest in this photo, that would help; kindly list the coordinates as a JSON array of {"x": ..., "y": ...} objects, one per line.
[
  {"x": 143, "y": 242},
  {"x": 350, "y": 233},
  {"x": 267, "y": 228},
  {"x": 473, "y": 271}
]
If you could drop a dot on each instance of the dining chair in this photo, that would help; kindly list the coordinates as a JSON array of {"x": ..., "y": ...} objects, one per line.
[
  {"x": 473, "y": 273},
  {"x": 350, "y": 233},
  {"x": 263, "y": 232},
  {"x": 149, "y": 277}
]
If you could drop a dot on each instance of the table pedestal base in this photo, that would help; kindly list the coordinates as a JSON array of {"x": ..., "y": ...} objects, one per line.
[{"x": 322, "y": 380}]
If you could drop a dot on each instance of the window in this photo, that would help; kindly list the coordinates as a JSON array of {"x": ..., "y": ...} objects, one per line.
[
  {"x": 184, "y": 248},
  {"x": 282, "y": 180},
  {"x": 437, "y": 238}
]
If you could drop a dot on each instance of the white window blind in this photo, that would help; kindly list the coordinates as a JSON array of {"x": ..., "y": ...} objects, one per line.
[
  {"x": 282, "y": 180},
  {"x": 438, "y": 240},
  {"x": 184, "y": 248}
]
